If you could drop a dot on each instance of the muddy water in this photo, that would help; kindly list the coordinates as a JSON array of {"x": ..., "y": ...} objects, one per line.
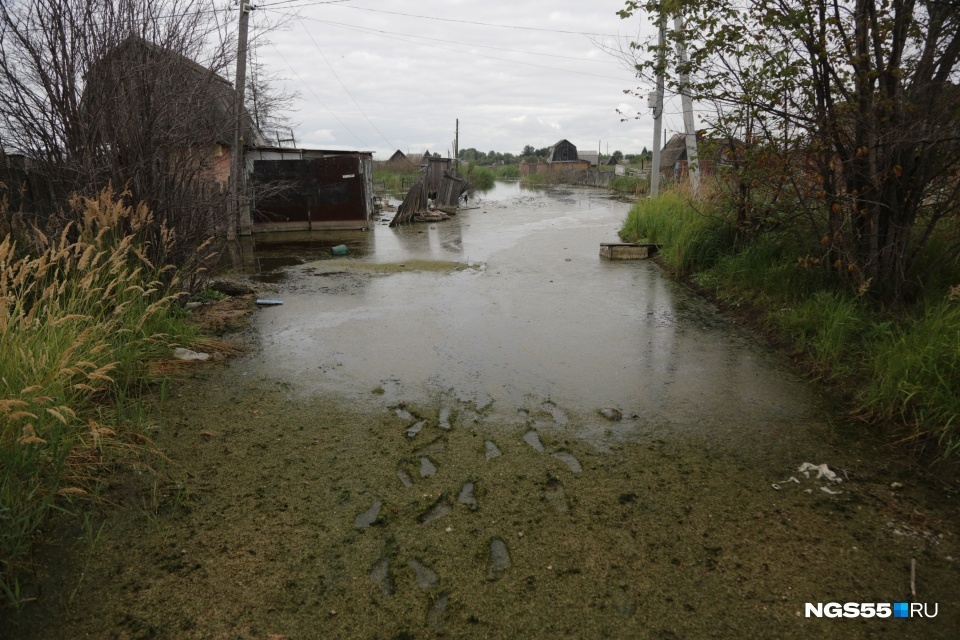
[
  {"x": 538, "y": 317},
  {"x": 478, "y": 429}
]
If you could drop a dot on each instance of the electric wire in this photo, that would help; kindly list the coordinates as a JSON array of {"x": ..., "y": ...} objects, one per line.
[
  {"x": 483, "y": 24},
  {"x": 459, "y": 42},
  {"x": 343, "y": 86},
  {"x": 319, "y": 99},
  {"x": 477, "y": 55}
]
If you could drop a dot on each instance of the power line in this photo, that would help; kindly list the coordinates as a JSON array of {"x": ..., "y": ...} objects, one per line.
[
  {"x": 465, "y": 44},
  {"x": 301, "y": 3},
  {"x": 483, "y": 24},
  {"x": 332, "y": 70},
  {"x": 476, "y": 55},
  {"x": 310, "y": 87}
]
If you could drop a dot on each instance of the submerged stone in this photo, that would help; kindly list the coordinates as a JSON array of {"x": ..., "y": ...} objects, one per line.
[
  {"x": 466, "y": 496},
  {"x": 405, "y": 479},
  {"x": 369, "y": 516},
  {"x": 439, "y": 509},
  {"x": 499, "y": 557},
  {"x": 415, "y": 428},
  {"x": 426, "y": 577},
  {"x": 614, "y": 415},
  {"x": 438, "y": 612},
  {"x": 623, "y": 604},
  {"x": 572, "y": 463},
  {"x": 532, "y": 438},
  {"x": 427, "y": 468},
  {"x": 437, "y": 446},
  {"x": 493, "y": 451},
  {"x": 556, "y": 495},
  {"x": 558, "y": 415},
  {"x": 445, "y": 419},
  {"x": 380, "y": 575}
]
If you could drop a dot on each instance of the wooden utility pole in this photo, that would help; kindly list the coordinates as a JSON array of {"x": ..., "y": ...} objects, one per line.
[
  {"x": 658, "y": 107},
  {"x": 239, "y": 210},
  {"x": 456, "y": 149},
  {"x": 690, "y": 134}
]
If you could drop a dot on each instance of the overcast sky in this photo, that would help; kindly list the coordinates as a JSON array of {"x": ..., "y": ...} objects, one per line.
[{"x": 382, "y": 75}]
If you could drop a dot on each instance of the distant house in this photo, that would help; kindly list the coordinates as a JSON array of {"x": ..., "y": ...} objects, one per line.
[
  {"x": 610, "y": 162},
  {"x": 398, "y": 156},
  {"x": 591, "y": 157},
  {"x": 673, "y": 156},
  {"x": 673, "y": 153},
  {"x": 562, "y": 151}
]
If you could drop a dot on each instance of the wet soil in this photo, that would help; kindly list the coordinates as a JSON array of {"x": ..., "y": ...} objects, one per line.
[{"x": 318, "y": 488}]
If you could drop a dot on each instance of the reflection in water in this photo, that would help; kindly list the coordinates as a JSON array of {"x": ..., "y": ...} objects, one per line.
[{"x": 539, "y": 317}]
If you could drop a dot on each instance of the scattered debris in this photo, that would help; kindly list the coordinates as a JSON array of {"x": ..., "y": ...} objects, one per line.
[
  {"x": 230, "y": 287},
  {"x": 823, "y": 471},
  {"x": 896, "y": 485},
  {"x": 187, "y": 354},
  {"x": 339, "y": 250},
  {"x": 263, "y": 302},
  {"x": 612, "y": 414},
  {"x": 827, "y": 489}
]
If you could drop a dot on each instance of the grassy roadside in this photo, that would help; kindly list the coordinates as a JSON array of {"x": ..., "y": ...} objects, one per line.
[
  {"x": 900, "y": 366},
  {"x": 82, "y": 317}
]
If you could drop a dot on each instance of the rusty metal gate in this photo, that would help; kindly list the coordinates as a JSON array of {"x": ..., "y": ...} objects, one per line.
[{"x": 315, "y": 193}]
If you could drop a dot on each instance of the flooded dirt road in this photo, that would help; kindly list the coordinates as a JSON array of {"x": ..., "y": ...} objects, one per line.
[{"x": 479, "y": 429}]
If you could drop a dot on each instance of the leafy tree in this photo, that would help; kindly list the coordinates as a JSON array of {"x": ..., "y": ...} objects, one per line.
[
  {"x": 618, "y": 155},
  {"x": 842, "y": 111},
  {"x": 528, "y": 150}
]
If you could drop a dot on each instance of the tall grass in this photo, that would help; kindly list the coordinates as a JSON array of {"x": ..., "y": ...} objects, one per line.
[
  {"x": 80, "y": 315},
  {"x": 630, "y": 185},
  {"x": 690, "y": 240},
  {"x": 914, "y": 374},
  {"x": 900, "y": 365}
]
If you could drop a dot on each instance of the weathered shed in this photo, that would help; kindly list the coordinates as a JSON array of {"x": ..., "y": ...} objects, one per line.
[
  {"x": 310, "y": 189},
  {"x": 434, "y": 169},
  {"x": 398, "y": 156},
  {"x": 562, "y": 151}
]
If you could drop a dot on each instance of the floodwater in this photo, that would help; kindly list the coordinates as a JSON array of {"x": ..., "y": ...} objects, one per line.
[
  {"x": 477, "y": 428},
  {"x": 538, "y": 317}
]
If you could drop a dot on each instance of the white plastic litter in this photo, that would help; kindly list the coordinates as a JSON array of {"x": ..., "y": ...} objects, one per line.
[
  {"x": 823, "y": 471},
  {"x": 826, "y": 489},
  {"x": 776, "y": 485},
  {"x": 187, "y": 354}
]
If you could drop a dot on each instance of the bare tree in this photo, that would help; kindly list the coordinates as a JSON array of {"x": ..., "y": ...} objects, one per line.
[{"x": 130, "y": 93}]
